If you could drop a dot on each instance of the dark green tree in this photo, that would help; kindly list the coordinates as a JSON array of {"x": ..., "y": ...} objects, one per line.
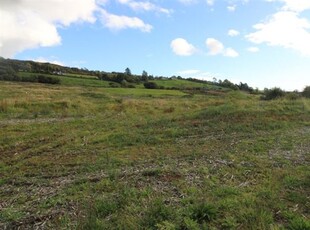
[
  {"x": 128, "y": 71},
  {"x": 144, "y": 76},
  {"x": 306, "y": 92},
  {"x": 274, "y": 93}
]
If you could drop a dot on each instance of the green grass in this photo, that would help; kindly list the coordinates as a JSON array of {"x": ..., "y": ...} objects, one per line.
[
  {"x": 77, "y": 156},
  {"x": 93, "y": 81},
  {"x": 181, "y": 84},
  {"x": 80, "y": 75}
]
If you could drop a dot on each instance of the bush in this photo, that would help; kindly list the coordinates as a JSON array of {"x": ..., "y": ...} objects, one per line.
[
  {"x": 306, "y": 92},
  {"x": 293, "y": 96},
  {"x": 114, "y": 85},
  {"x": 31, "y": 78},
  {"x": 48, "y": 80},
  {"x": 150, "y": 85},
  {"x": 274, "y": 93}
]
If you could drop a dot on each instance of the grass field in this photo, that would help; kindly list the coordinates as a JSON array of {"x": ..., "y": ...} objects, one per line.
[
  {"x": 92, "y": 81},
  {"x": 182, "y": 83},
  {"x": 81, "y": 157},
  {"x": 75, "y": 80}
]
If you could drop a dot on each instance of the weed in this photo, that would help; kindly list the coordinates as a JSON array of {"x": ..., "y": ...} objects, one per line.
[
  {"x": 4, "y": 106},
  {"x": 203, "y": 212},
  {"x": 299, "y": 223},
  {"x": 157, "y": 213}
]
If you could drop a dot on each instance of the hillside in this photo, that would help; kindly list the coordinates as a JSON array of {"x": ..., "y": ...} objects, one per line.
[
  {"x": 81, "y": 154},
  {"x": 30, "y": 71}
]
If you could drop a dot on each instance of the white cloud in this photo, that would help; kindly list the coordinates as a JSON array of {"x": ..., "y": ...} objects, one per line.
[
  {"x": 233, "y": 33},
  {"x": 230, "y": 52},
  {"x": 216, "y": 47},
  {"x": 102, "y": 2},
  {"x": 231, "y": 8},
  {"x": 285, "y": 29},
  {"x": 28, "y": 24},
  {"x": 198, "y": 74},
  {"x": 294, "y": 5},
  {"x": 253, "y": 49},
  {"x": 188, "y": 2},
  {"x": 49, "y": 60},
  {"x": 144, "y": 6},
  {"x": 189, "y": 72},
  {"x": 182, "y": 47},
  {"x": 119, "y": 22},
  {"x": 210, "y": 2}
]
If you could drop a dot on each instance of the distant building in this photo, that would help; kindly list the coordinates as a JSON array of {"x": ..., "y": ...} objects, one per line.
[{"x": 58, "y": 72}]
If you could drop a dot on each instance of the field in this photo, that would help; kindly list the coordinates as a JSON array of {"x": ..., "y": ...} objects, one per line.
[
  {"x": 181, "y": 83},
  {"x": 80, "y": 156}
]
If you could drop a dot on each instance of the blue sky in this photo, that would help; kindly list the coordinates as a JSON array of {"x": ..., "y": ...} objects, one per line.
[{"x": 265, "y": 43}]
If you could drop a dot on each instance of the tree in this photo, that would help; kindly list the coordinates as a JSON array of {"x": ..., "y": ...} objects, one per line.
[
  {"x": 144, "y": 76},
  {"x": 128, "y": 71},
  {"x": 274, "y": 93},
  {"x": 227, "y": 84},
  {"x": 306, "y": 92},
  {"x": 245, "y": 87},
  {"x": 119, "y": 77}
]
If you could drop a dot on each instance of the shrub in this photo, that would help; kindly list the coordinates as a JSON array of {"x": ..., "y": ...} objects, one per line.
[
  {"x": 150, "y": 85},
  {"x": 293, "y": 95},
  {"x": 274, "y": 93},
  {"x": 31, "y": 78},
  {"x": 114, "y": 85},
  {"x": 48, "y": 80},
  {"x": 306, "y": 92}
]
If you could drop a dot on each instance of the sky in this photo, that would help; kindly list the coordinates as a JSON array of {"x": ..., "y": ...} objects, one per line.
[{"x": 265, "y": 43}]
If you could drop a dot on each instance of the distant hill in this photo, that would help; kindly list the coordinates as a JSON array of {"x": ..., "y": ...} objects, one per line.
[
  {"x": 38, "y": 67},
  {"x": 31, "y": 71}
]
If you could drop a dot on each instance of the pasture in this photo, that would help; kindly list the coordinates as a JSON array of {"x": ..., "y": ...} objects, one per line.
[{"x": 83, "y": 156}]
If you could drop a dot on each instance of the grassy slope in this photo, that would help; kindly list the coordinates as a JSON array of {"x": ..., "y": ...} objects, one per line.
[
  {"x": 100, "y": 158},
  {"x": 92, "y": 81},
  {"x": 182, "y": 83}
]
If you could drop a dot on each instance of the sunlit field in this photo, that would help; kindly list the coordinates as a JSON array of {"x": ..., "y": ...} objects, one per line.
[{"x": 79, "y": 156}]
